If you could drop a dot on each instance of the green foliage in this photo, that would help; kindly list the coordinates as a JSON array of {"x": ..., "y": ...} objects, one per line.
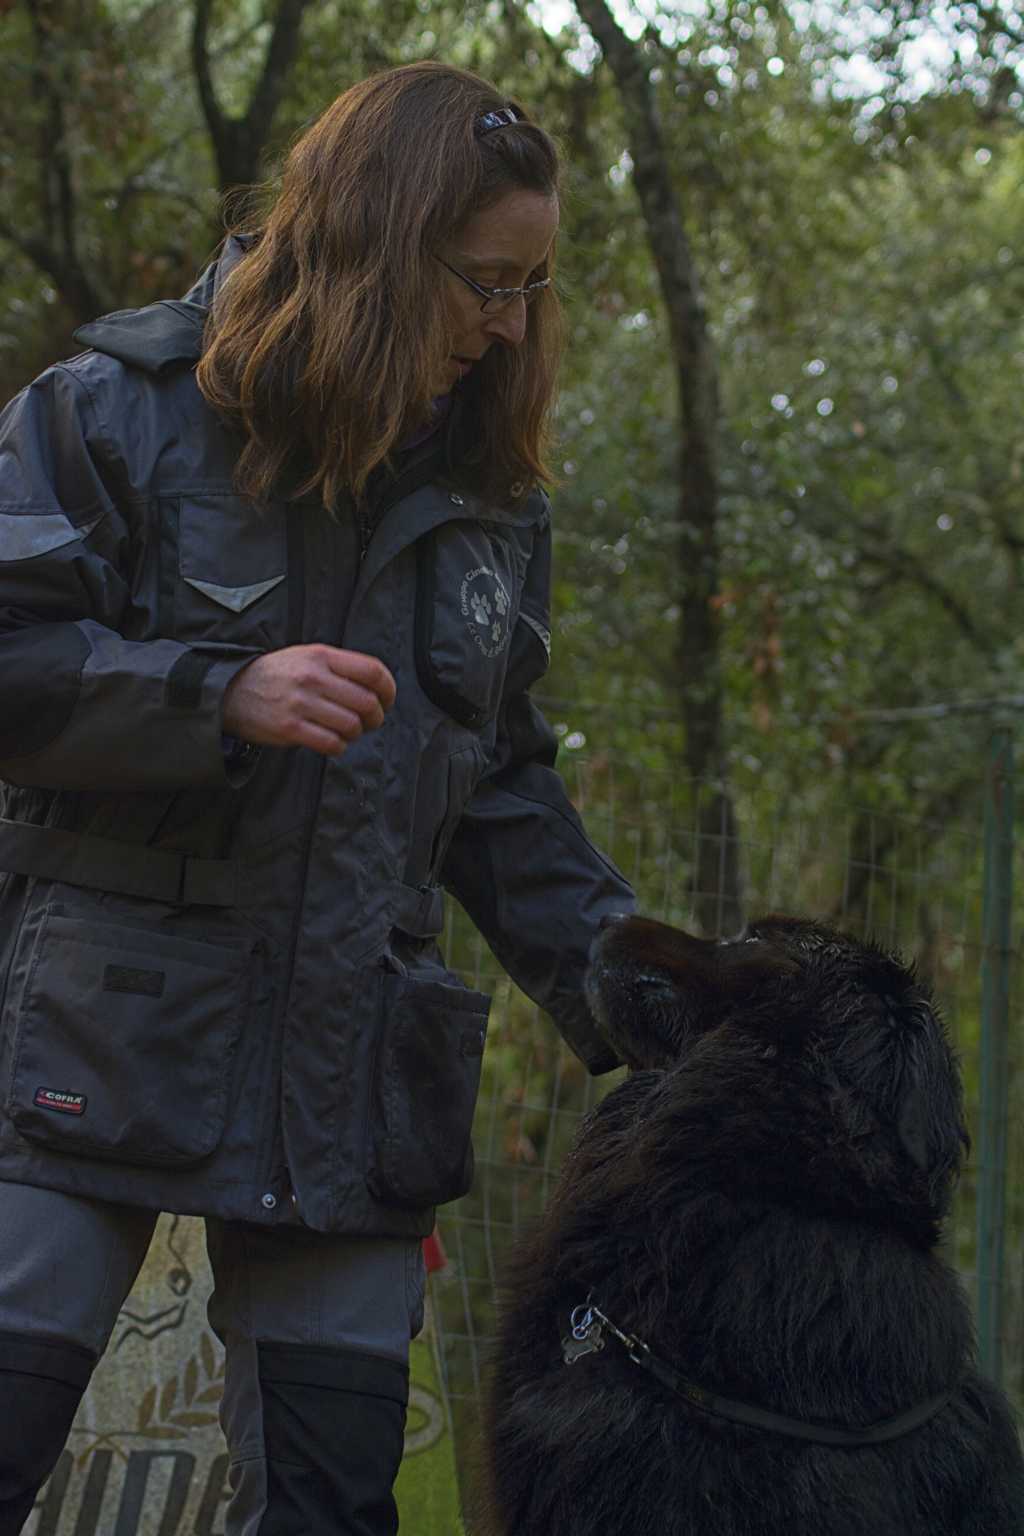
[{"x": 857, "y": 222}]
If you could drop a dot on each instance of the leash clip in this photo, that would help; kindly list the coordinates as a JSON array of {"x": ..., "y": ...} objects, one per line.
[
  {"x": 634, "y": 1347},
  {"x": 585, "y": 1336}
]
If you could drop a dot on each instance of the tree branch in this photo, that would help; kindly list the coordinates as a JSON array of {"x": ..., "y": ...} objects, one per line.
[
  {"x": 31, "y": 247},
  {"x": 875, "y": 546},
  {"x": 907, "y": 567},
  {"x": 872, "y": 845},
  {"x": 215, "y": 119},
  {"x": 989, "y": 478},
  {"x": 277, "y": 64},
  {"x": 997, "y": 24},
  {"x": 238, "y": 142}
]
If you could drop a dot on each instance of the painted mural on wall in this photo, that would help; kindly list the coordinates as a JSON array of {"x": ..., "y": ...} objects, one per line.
[{"x": 146, "y": 1456}]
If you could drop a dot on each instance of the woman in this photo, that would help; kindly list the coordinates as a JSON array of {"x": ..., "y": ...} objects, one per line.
[{"x": 273, "y": 588}]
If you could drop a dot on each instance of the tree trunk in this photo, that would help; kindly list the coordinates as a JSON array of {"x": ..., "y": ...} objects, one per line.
[
  {"x": 52, "y": 244},
  {"x": 718, "y": 893}
]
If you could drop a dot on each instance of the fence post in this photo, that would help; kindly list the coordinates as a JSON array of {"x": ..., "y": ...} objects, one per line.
[{"x": 995, "y": 1023}]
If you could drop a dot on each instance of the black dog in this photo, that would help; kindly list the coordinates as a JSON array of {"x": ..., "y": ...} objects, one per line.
[{"x": 739, "y": 1265}]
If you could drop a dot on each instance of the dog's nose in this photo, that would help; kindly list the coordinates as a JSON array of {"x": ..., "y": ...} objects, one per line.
[{"x": 613, "y": 917}]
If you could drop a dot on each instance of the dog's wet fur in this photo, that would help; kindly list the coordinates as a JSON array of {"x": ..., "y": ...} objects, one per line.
[{"x": 760, "y": 1202}]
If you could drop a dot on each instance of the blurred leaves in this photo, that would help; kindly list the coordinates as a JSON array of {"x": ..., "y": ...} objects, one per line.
[{"x": 850, "y": 180}]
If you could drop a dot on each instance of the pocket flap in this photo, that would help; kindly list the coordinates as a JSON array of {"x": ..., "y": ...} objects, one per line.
[
  {"x": 232, "y": 565},
  {"x": 235, "y": 598},
  {"x": 124, "y": 1039}
]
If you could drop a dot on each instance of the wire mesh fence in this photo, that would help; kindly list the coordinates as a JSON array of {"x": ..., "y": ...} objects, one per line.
[
  {"x": 145, "y": 1454},
  {"x": 913, "y": 885}
]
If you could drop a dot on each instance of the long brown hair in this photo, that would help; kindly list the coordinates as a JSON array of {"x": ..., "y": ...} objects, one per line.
[{"x": 322, "y": 345}]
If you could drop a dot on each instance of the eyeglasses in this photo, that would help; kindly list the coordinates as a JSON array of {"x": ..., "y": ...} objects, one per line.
[{"x": 495, "y": 299}]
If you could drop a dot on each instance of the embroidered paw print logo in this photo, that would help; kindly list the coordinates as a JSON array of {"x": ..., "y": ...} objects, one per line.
[{"x": 485, "y": 605}]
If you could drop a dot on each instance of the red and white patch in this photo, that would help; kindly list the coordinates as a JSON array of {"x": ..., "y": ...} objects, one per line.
[{"x": 64, "y": 1103}]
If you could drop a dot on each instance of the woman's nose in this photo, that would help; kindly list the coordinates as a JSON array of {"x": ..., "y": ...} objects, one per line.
[{"x": 508, "y": 324}]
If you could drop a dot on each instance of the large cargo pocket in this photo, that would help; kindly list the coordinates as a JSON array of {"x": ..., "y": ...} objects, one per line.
[
  {"x": 423, "y": 1092},
  {"x": 124, "y": 1038}
]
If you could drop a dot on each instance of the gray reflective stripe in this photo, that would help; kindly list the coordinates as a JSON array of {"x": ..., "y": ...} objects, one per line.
[
  {"x": 124, "y": 868},
  {"x": 235, "y": 598},
  {"x": 419, "y": 912},
  {"x": 543, "y": 635},
  {"x": 24, "y": 535}
]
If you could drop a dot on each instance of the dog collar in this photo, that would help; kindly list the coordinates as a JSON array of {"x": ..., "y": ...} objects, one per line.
[{"x": 587, "y": 1325}]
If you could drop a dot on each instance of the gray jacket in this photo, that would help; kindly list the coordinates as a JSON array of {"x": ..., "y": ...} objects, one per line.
[{"x": 220, "y": 988}]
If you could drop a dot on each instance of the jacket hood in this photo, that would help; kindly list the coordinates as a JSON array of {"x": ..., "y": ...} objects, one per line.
[
  {"x": 168, "y": 334},
  {"x": 161, "y": 336}
]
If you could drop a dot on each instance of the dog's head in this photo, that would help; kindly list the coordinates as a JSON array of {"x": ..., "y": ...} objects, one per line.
[{"x": 837, "y": 1033}]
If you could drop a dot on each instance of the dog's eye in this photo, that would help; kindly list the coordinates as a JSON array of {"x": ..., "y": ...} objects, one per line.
[
  {"x": 655, "y": 983},
  {"x": 745, "y": 936}
]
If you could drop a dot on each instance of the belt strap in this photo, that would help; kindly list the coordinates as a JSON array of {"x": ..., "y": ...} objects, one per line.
[
  {"x": 419, "y": 910},
  {"x": 126, "y": 869}
]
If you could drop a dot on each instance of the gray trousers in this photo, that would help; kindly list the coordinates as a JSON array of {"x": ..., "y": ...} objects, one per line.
[{"x": 67, "y": 1265}]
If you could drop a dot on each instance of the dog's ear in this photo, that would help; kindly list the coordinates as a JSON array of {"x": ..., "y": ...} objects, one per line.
[
  {"x": 896, "y": 1057},
  {"x": 768, "y": 994}
]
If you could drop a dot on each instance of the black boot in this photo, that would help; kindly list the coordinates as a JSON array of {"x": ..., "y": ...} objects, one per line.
[
  {"x": 41, "y": 1385},
  {"x": 333, "y": 1425}
]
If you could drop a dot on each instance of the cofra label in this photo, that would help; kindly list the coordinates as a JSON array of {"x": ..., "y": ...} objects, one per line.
[{"x": 64, "y": 1103}]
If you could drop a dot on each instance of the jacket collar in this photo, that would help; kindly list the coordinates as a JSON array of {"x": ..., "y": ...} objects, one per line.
[{"x": 168, "y": 334}]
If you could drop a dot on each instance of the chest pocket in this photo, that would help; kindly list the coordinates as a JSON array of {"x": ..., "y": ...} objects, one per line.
[
  {"x": 227, "y": 577},
  {"x": 468, "y": 587}
]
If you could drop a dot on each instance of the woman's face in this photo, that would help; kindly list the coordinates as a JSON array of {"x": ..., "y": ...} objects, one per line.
[{"x": 503, "y": 247}]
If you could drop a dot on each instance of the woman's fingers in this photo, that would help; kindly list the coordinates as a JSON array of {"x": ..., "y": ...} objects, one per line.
[
  {"x": 357, "y": 667},
  {"x": 316, "y": 696}
]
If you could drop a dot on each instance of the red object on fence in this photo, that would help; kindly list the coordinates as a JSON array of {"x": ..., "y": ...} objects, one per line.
[{"x": 434, "y": 1255}]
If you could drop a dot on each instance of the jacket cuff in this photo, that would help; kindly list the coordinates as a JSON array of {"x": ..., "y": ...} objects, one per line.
[
  {"x": 576, "y": 1025},
  {"x": 239, "y": 759}
]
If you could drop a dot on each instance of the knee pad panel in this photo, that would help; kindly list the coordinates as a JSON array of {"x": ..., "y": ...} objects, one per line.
[
  {"x": 333, "y": 1424},
  {"x": 41, "y": 1385}
]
